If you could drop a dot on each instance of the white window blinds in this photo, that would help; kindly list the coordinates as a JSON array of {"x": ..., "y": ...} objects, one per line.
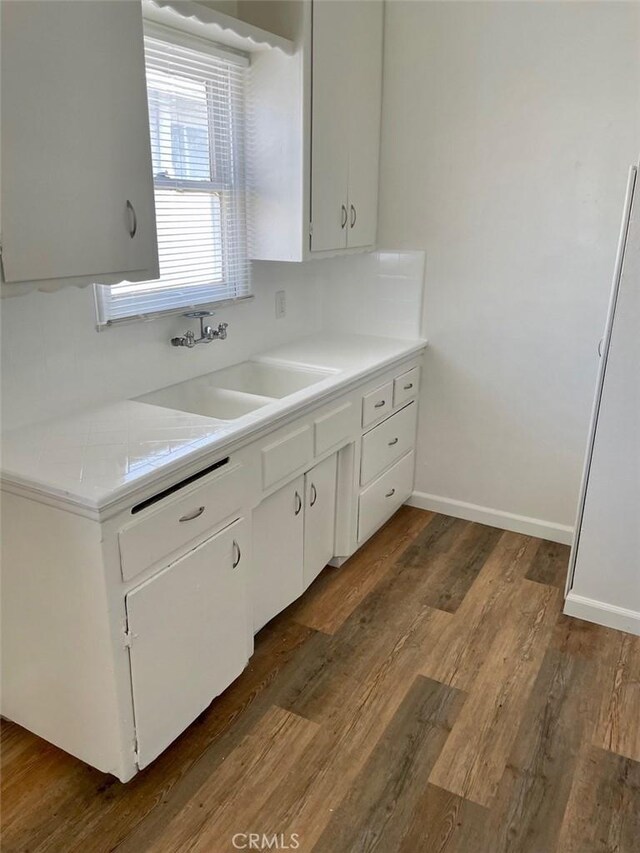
[{"x": 197, "y": 124}]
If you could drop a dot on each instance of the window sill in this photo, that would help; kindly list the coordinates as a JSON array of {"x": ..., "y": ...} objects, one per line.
[{"x": 156, "y": 315}]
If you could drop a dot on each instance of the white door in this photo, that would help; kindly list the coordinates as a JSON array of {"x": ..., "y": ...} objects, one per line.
[
  {"x": 329, "y": 127},
  {"x": 607, "y": 547},
  {"x": 276, "y": 567},
  {"x": 319, "y": 517},
  {"x": 188, "y": 627},
  {"x": 364, "y": 24},
  {"x": 77, "y": 183}
]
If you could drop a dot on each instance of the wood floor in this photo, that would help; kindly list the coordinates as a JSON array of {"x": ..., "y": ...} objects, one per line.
[{"x": 428, "y": 696}]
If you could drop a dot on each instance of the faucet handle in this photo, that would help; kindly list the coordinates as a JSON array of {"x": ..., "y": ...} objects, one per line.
[
  {"x": 207, "y": 333},
  {"x": 187, "y": 340}
]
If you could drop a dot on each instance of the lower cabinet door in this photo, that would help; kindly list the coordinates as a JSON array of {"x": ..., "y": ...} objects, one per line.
[
  {"x": 319, "y": 518},
  {"x": 277, "y": 539},
  {"x": 188, "y": 628}
]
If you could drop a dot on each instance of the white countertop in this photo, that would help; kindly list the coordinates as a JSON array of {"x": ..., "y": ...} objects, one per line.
[{"x": 96, "y": 457}]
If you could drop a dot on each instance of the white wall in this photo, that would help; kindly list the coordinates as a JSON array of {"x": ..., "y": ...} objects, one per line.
[
  {"x": 507, "y": 132},
  {"x": 54, "y": 362}
]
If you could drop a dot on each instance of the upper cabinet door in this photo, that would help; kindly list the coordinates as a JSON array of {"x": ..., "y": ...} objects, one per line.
[
  {"x": 364, "y": 24},
  {"x": 345, "y": 121},
  {"x": 77, "y": 182},
  {"x": 329, "y": 126}
]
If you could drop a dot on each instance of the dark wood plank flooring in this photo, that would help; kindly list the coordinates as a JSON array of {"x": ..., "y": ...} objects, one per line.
[{"x": 427, "y": 696}]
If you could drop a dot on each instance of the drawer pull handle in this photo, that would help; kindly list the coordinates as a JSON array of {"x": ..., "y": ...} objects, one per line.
[
  {"x": 314, "y": 495},
  {"x": 379, "y": 404},
  {"x": 408, "y": 386},
  {"x": 237, "y": 554},
  {"x": 191, "y": 515},
  {"x": 298, "y": 504},
  {"x": 393, "y": 441},
  {"x": 390, "y": 494},
  {"x": 134, "y": 219}
]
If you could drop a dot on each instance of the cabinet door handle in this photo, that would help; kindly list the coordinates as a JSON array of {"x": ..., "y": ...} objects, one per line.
[
  {"x": 600, "y": 342},
  {"x": 393, "y": 441},
  {"x": 354, "y": 216},
  {"x": 390, "y": 494},
  {"x": 345, "y": 216},
  {"x": 237, "y": 554},
  {"x": 134, "y": 219},
  {"x": 313, "y": 495},
  {"x": 196, "y": 513},
  {"x": 298, "y": 504},
  {"x": 379, "y": 404},
  {"x": 408, "y": 386}
]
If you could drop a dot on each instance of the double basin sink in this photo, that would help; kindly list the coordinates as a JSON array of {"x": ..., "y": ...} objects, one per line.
[{"x": 235, "y": 391}]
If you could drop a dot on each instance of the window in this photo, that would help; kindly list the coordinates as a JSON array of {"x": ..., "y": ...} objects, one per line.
[{"x": 197, "y": 127}]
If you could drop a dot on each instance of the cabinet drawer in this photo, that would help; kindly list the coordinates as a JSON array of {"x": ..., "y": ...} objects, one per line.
[
  {"x": 286, "y": 455},
  {"x": 192, "y": 514},
  {"x": 382, "y": 498},
  {"x": 334, "y": 427},
  {"x": 406, "y": 386},
  {"x": 377, "y": 404},
  {"x": 387, "y": 442}
]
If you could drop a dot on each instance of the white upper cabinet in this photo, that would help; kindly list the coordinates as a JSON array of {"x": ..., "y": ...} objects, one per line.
[
  {"x": 329, "y": 127},
  {"x": 315, "y": 114},
  {"x": 364, "y": 22},
  {"x": 77, "y": 182},
  {"x": 345, "y": 122}
]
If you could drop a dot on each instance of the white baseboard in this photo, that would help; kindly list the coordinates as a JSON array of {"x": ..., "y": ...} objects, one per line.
[
  {"x": 494, "y": 517},
  {"x": 609, "y": 615}
]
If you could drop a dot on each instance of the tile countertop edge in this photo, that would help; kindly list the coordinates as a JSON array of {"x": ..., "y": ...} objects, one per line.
[{"x": 104, "y": 504}]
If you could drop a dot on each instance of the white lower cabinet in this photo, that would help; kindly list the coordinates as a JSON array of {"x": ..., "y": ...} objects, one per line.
[
  {"x": 188, "y": 633},
  {"x": 293, "y": 533},
  {"x": 319, "y": 517},
  {"x": 387, "y": 442},
  {"x": 278, "y": 543},
  {"x": 384, "y": 496},
  {"x": 167, "y": 590}
]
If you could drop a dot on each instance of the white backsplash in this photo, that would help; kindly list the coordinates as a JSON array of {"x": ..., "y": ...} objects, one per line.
[
  {"x": 375, "y": 294},
  {"x": 54, "y": 362}
]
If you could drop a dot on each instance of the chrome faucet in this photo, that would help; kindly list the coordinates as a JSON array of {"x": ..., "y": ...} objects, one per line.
[{"x": 207, "y": 333}]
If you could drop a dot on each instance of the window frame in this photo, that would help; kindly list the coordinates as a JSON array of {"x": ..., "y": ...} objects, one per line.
[{"x": 195, "y": 295}]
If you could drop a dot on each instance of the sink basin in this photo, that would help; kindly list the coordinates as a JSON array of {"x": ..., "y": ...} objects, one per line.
[
  {"x": 266, "y": 380},
  {"x": 235, "y": 391},
  {"x": 201, "y": 398}
]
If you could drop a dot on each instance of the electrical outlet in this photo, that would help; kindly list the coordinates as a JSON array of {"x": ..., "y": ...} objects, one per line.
[{"x": 281, "y": 304}]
